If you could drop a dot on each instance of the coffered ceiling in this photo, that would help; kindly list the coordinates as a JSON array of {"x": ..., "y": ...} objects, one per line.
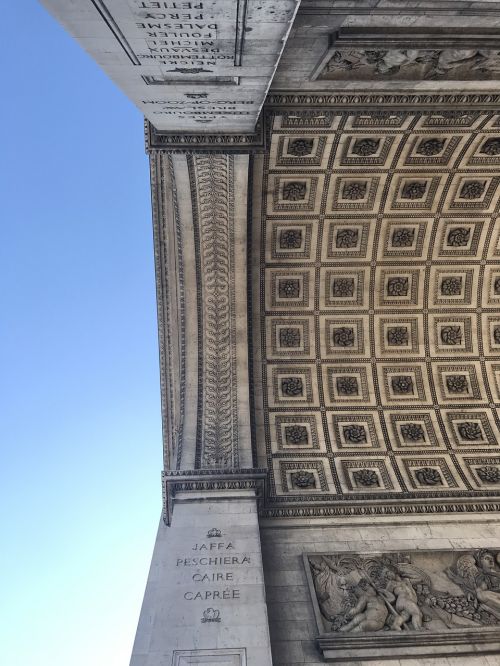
[{"x": 376, "y": 309}]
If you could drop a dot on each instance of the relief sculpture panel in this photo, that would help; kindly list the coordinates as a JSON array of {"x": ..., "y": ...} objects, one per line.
[
  {"x": 413, "y": 64},
  {"x": 401, "y": 600}
]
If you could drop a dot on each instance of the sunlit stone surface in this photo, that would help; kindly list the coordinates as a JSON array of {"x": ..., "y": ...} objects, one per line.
[{"x": 327, "y": 259}]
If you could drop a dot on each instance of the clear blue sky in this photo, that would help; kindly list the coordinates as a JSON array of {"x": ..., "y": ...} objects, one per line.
[{"x": 80, "y": 426}]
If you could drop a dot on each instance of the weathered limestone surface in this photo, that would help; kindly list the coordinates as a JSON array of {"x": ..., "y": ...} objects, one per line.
[
  {"x": 291, "y": 616},
  {"x": 369, "y": 395},
  {"x": 205, "y": 592},
  {"x": 318, "y": 56},
  {"x": 196, "y": 66},
  {"x": 200, "y": 227}
]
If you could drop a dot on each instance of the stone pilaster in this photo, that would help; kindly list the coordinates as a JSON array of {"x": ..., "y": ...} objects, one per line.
[
  {"x": 200, "y": 223},
  {"x": 205, "y": 597}
]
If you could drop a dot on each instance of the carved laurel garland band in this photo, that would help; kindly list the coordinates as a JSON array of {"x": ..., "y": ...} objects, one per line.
[{"x": 212, "y": 191}]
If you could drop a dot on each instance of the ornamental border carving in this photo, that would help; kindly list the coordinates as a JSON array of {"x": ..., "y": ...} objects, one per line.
[{"x": 212, "y": 192}]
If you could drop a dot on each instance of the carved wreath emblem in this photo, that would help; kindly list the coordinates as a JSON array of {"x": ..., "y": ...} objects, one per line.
[{"x": 211, "y": 615}]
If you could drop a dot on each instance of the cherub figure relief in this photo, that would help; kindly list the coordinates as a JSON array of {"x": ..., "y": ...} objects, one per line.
[{"x": 370, "y": 613}]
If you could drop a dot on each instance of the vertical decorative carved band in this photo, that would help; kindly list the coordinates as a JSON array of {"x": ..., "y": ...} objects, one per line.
[{"x": 212, "y": 192}]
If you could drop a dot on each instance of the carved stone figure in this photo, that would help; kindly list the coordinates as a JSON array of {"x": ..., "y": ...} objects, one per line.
[
  {"x": 407, "y": 592},
  {"x": 496, "y": 335},
  {"x": 406, "y": 602},
  {"x": 480, "y": 574},
  {"x": 496, "y": 286},
  {"x": 370, "y": 613},
  {"x": 413, "y": 64}
]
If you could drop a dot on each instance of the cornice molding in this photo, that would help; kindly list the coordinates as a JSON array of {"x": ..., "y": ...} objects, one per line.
[
  {"x": 189, "y": 143},
  {"x": 209, "y": 480},
  {"x": 364, "y": 101}
]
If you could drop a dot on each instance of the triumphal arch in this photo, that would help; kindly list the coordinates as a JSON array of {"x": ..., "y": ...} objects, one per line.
[{"x": 325, "y": 180}]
